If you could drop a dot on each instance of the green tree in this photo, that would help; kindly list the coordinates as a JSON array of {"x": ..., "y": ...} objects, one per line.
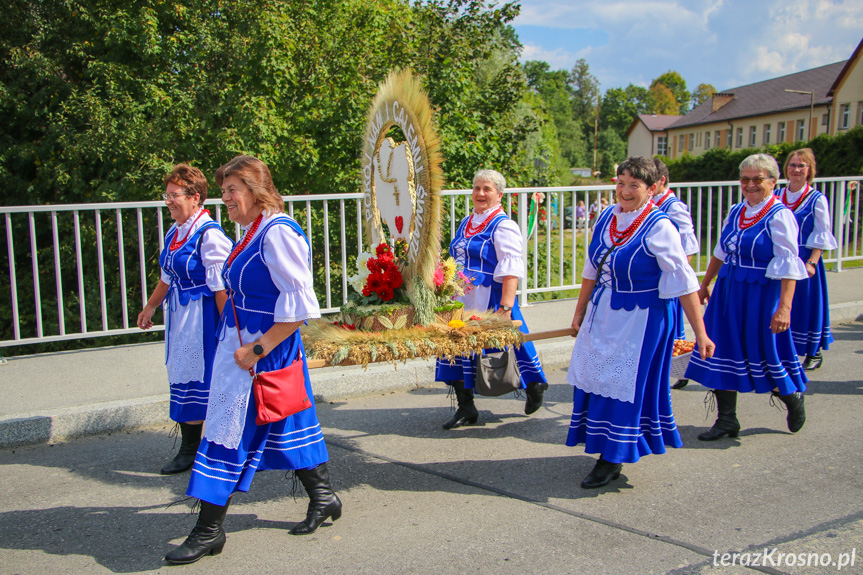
[
  {"x": 620, "y": 106},
  {"x": 663, "y": 100},
  {"x": 675, "y": 82},
  {"x": 584, "y": 88},
  {"x": 702, "y": 93},
  {"x": 612, "y": 150}
]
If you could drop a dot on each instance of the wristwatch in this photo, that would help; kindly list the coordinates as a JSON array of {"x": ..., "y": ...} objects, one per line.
[
  {"x": 506, "y": 308},
  {"x": 810, "y": 262},
  {"x": 258, "y": 349}
]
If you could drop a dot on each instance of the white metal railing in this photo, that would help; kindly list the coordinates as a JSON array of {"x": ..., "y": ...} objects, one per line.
[{"x": 81, "y": 250}]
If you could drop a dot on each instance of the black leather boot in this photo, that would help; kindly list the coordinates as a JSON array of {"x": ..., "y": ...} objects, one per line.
[
  {"x": 813, "y": 362},
  {"x": 323, "y": 502},
  {"x": 796, "y": 411},
  {"x": 207, "y": 538},
  {"x": 602, "y": 474},
  {"x": 188, "y": 449},
  {"x": 726, "y": 422},
  {"x": 534, "y": 392},
  {"x": 680, "y": 384},
  {"x": 466, "y": 412}
]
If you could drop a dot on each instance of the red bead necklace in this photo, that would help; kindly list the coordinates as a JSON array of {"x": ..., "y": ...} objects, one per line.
[
  {"x": 749, "y": 222},
  {"x": 470, "y": 230},
  {"x": 250, "y": 233},
  {"x": 175, "y": 245},
  {"x": 799, "y": 201},
  {"x": 663, "y": 198},
  {"x": 620, "y": 238}
]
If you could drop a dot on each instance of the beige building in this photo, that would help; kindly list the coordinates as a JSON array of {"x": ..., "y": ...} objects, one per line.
[
  {"x": 792, "y": 108},
  {"x": 648, "y": 135}
]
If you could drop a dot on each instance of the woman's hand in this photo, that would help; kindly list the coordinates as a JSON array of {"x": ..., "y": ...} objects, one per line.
[
  {"x": 145, "y": 318},
  {"x": 504, "y": 314},
  {"x": 706, "y": 347},
  {"x": 245, "y": 358},
  {"x": 811, "y": 269},
  {"x": 703, "y": 294},
  {"x": 781, "y": 320},
  {"x": 577, "y": 319}
]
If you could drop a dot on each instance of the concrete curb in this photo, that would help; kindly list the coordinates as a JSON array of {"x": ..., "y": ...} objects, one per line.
[{"x": 330, "y": 384}]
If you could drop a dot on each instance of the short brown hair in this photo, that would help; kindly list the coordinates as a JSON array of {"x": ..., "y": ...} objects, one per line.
[
  {"x": 191, "y": 179},
  {"x": 808, "y": 156},
  {"x": 256, "y": 176}
]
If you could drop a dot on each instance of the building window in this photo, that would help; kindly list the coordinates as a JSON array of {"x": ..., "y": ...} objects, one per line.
[
  {"x": 716, "y": 135},
  {"x": 860, "y": 113},
  {"x": 844, "y": 116},
  {"x": 766, "y": 135},
  {"x": 691, "y": 142},
  {"x": 662, "y": 145},
  {"x": 752, "y": 132},
  {"x": 825, "y": 119},
  {"x": 739, "y": 137},
  {"x": 728, "y": 138},
  {"x": 801, "y": 130},
  {"x": 706, "y": 140},
  {"x": 680, "y": 141},
  {"x": 781, "y": 129}
]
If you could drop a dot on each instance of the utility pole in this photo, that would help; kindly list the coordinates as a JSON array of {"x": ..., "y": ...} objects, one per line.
[{"x": 595, "y": 130}]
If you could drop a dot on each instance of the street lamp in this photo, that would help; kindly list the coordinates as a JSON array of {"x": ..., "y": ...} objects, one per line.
[{"x": 811, "y": 105}]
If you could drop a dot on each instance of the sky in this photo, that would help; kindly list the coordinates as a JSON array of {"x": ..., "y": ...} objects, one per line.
[{"x": 727, "y": 43}]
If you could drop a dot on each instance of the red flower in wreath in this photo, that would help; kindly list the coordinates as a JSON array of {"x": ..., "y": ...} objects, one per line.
[{"x": 385, "y": 276}]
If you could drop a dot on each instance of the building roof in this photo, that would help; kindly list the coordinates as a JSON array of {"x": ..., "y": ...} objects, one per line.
[
  {"x": 848, "y": 65},
  {"x": 768, "y": 97},
  {"x": 653, "y": 122}
]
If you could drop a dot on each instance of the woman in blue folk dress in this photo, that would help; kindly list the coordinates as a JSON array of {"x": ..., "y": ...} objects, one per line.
[
  {"x": 269, "y": 276},
  {"x": 810, "y": 310},
  {"x": 488, "y": 245},
  {"x": 749, "y": 310},
  {"x": 624, "y": 319},
  {"x": 678, "y": 211},
  {"x": 193, "y": 294}
]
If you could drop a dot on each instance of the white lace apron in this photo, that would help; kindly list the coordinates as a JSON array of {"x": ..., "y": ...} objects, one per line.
[
  {"x": 184, "y": 351},
  {"x": 229, "y": 392}
]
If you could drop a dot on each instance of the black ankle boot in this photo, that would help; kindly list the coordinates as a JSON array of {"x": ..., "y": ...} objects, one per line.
[
  {"x": 726, "y": 422},
  {"x": 188, "y": 449},
  {"x": 813, "y": 362},
  {"x": 323, "y": 502},
  {"x": 796, "y": 411},
  {"x": 207, "y": 538},
  {"x": 680, "y": 384},
  {"x": 534, "y": 392},
  {"x": 602, "y": 474},
  {"x": 466, "y": 412}
]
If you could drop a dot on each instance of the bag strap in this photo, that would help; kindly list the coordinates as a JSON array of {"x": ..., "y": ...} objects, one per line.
[{"x": 237, "y": 323}]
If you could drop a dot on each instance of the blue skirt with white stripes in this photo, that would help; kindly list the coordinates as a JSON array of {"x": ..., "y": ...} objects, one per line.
[
  {"x": 749, "y": 356},
  {"x": 189, "y": 399},
  {"x": 623, "y": 432},
  {"x": 293, "y": 443},
  {"x": 810, "y": 314},
  {"x": 464, "y": 369}
]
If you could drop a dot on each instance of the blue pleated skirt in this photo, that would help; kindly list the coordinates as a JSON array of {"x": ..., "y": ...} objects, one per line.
[
  {"x": 748, "y": 357},
  {"x": 293, "y": 443},
  {"x": 623, "y": 432},
  {"x": 810, "y": 314},
  {"x": 463, "y": 369},
  {"x": 189, "y": 399},
  {"x": 679, "y": 327}
]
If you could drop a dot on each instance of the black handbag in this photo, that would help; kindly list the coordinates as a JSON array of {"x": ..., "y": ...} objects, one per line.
[{"x": 496, "y": 373}]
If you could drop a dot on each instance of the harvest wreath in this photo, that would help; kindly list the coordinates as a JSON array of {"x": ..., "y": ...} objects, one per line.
[{"x": 339, "y": 343}]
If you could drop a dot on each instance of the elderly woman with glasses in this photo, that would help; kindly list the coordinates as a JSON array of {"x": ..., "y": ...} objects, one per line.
[
  {"x": 810, "y": 314},
  {"x": 193, "y": 294},
  {"x": 749, "y": 310}
]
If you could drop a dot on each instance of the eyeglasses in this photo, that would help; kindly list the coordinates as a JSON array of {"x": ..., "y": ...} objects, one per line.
[
  {"x": 173, "y": 196},
  {"x": 757, "y": 180},
  {"x": 798, "y": 166}
]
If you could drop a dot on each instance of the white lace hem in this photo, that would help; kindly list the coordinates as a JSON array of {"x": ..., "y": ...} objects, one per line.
[
  {"x": 786, "y": 268},
  {"x": 509, "y": 266},
  {"x": 184, "y": 349},
  {"x": 821, "y": 241},
  {"x": 229, "y": 393}
]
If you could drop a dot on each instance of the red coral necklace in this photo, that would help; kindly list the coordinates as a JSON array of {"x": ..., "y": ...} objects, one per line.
[
  {"x": 620, "y": 238},
  {"x": 470, "y": 230},
  {"x": 663, "y": 198},
  {"x": 250, "y": 233},
  {"x": 175, "y": 245},
  {"x": 749, "y": 222},
  {"x": 799, "y": 201}
]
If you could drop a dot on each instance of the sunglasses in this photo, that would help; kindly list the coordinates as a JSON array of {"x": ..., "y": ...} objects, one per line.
[{"x": 757, "y": 180}]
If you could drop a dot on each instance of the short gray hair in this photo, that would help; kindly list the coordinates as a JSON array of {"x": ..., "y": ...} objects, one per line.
[
  {"x": 762, "y": 163},
  {"x": 493, "y": 176}
]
